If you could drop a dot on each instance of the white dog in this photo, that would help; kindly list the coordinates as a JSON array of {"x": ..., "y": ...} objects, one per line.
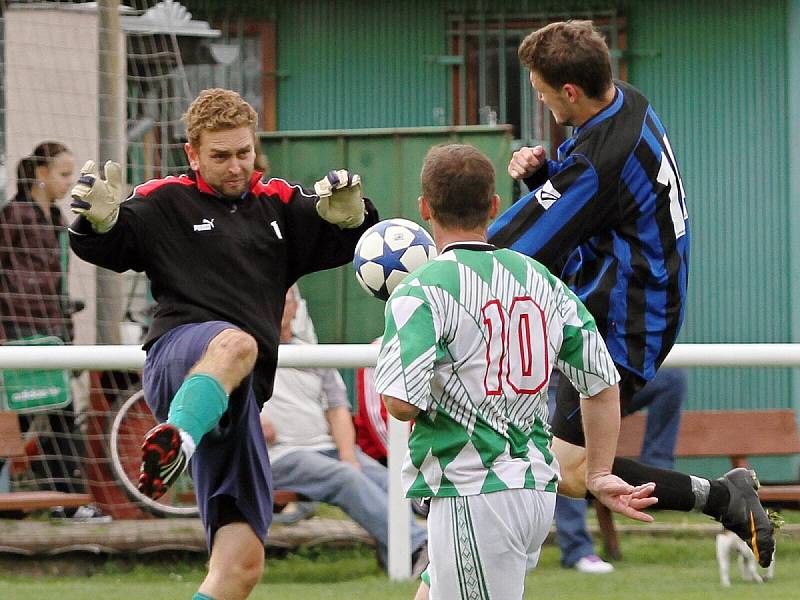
[{"x": 729, "y": 543}]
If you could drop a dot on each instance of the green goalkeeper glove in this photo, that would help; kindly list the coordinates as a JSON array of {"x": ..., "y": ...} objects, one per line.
[
  {"x": 340, "y": 201},
  {"x": 98, "y": 199}
]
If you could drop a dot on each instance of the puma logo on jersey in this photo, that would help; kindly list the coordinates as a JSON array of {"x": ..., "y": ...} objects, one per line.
[
  {"x": 206, "y": 225},
  {"x": 547, "y": 194}
]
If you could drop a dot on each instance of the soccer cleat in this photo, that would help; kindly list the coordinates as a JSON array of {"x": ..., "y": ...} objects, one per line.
[
  {"x": 745, "y": 516},
  {"x": 88, "y": 513},
  {"x": 163, "y": 460}
]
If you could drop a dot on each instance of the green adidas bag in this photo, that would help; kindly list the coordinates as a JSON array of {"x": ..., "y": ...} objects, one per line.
[{"x": 32, "y": 390}]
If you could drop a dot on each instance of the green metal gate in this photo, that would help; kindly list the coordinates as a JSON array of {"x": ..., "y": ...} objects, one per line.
[{"x": 389, "y": 161}]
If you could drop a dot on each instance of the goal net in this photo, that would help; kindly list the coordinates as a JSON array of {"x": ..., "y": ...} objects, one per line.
[{"x": 82, "y": 80}]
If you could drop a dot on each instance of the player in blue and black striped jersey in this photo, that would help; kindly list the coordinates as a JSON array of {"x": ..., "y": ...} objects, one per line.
[{"x": 612, "y": 210}]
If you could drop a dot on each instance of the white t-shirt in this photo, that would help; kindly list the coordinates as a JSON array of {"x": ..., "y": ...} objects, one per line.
[{"x": 297, "y": 409}]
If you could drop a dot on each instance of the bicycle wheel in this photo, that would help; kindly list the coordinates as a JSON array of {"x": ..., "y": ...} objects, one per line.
[{"x": 132, "y": 421}]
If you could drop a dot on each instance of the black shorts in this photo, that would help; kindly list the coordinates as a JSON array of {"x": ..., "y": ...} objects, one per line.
[{"x": 566, "y": 422}]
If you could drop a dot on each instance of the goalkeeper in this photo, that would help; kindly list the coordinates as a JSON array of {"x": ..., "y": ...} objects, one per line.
[{"x": 220, "y": 247}]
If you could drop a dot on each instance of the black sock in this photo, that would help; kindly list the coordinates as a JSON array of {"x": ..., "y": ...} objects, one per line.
[
  {"x": 718, "y": 499},
  {"x": 673, "y": 489}
]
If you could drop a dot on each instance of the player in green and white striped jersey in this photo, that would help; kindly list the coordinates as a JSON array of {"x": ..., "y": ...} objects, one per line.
[{"x": 470, "y": 341}]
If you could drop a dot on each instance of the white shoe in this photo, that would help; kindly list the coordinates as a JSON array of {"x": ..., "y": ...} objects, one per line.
[
  {"x": 88, "y": 513},
  {"x": 593, "y": 565}
]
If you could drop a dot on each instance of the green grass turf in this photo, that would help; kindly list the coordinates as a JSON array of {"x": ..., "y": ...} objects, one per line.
[{"x": 655, "y": 567}]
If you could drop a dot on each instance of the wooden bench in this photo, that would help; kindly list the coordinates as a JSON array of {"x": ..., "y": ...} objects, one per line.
[
  {"x": 12, "y": 446},
  {"x": 736, "y": 435}
]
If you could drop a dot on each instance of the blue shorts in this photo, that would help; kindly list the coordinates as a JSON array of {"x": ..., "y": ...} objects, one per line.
[{"x": 230, "y": 468}]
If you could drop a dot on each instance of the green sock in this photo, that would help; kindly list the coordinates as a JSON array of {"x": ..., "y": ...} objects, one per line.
[
  {"x": 199, "y": 596},
  {"x": 198, "y": 405}
]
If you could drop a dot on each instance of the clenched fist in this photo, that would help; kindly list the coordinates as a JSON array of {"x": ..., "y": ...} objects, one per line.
[{"x": 526, "y": 161}]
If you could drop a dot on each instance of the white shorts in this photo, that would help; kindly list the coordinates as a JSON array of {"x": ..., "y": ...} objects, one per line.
[{"x": 480, "y": 547}]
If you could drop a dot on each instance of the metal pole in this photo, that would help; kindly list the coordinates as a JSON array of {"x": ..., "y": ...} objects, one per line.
[
  {"x": 399, "y": 558},
  {"x": 365, "y": 355},
  {"x": 111, "y": 73}
]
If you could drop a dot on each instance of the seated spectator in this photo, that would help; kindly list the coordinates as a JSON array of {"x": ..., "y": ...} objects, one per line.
[
  {"x": 34, "y": 302},
  {"x": 311, "y": 440},
  {"x": 663, "y": 396},
  {"x": 574, "y": 539},
  {"x": 370, "y": 420}
]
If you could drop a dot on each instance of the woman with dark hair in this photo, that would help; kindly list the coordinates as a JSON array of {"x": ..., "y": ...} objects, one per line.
[
  {"x": 34, "y": 302},
  {"x": 33, "y": 299}
]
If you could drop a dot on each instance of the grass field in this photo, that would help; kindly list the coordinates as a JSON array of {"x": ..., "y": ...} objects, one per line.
[{"x": 681, "y": 567}]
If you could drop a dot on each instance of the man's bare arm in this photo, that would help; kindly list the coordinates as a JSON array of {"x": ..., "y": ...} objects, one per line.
[
  {"x": 399, "y": 409},
  {"x": 601, "y": 420}
]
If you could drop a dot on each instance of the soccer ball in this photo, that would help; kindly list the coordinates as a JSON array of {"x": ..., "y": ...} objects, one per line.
[{"x": 387, "y": 252}]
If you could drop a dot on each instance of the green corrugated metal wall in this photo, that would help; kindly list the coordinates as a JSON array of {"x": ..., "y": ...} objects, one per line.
[
  {"x": 715, "y": 71},
  {"x": 716, "y": 74},
  {"x": 379, "y": 73},
  {"x": 384, "y": 71}
]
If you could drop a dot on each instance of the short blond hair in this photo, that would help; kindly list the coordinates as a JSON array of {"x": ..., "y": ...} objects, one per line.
[{"x": 217, "y": 109}]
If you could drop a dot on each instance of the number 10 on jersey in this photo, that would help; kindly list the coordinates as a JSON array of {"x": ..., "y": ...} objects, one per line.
[{"x": 516, "y": 347}]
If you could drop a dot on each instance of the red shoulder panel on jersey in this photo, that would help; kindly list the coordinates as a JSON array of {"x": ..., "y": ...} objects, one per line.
[
  {"x": 277, "y": 187},
  {"x": 148, "y": 187}
]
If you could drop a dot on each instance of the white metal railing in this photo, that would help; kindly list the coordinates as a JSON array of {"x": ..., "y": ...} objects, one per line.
[{"x": 365, "y": 355}]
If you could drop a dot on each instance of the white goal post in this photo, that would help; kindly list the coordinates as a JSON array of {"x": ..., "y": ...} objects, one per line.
[{"x": 365, "y": 355}]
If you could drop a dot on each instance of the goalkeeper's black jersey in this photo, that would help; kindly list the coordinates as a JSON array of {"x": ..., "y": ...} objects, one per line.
[
  {"x": 613, "y": 205},
  {"x": 212, "y": 258}
]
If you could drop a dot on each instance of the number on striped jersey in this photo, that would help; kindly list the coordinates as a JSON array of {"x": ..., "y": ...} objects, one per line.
[
  {"x": 668, "y": 176},
  {"x": 516, "y": 347}
]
